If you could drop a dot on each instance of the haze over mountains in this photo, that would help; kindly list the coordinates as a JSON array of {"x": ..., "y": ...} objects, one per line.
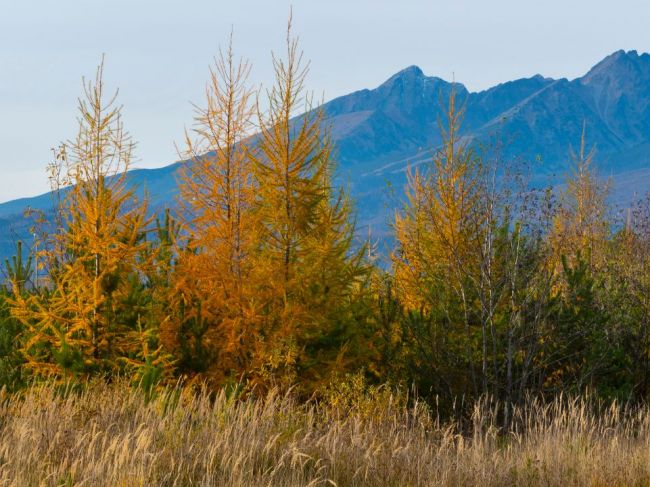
[{"x": 380, "y": 132}]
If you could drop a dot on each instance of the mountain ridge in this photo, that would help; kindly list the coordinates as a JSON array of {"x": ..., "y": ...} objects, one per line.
[{"x": 380, "y": 131}]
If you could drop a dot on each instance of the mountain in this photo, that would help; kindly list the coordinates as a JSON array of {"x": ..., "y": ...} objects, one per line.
[{"x": 380, "y": 132}]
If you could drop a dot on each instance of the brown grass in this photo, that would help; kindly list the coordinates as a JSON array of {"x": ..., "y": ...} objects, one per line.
[{"x": 108, "y": 435}]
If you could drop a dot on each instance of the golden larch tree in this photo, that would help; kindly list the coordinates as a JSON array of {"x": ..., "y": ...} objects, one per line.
[
  {"x": 438, "y": 226},
  {"x": 441, "y": 235},
  {"x": 306, "y": 267},
  {"x": 77, "y": 324},
  {"x": 580, "y": 226}
]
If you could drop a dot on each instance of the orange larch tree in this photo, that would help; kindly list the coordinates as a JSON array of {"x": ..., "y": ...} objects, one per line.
[{"x": 212, "y": 292}]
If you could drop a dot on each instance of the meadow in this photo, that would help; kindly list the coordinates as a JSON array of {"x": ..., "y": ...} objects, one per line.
[{"x": 111, "y": 434}]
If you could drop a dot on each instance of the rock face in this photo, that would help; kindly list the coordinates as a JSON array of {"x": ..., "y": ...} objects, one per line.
[
  {"x": 380, "y": 132},
  {"x": 539, "y": 116}
]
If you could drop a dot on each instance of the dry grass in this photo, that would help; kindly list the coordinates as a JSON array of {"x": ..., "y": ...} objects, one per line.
[{"x": 108, "y": 435}]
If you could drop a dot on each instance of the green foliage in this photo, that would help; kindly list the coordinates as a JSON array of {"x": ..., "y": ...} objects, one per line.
[
  {"x": 193, "y": 355},
  {"x": 19, "y": 271},
  {"x": 11, "y": 361}
]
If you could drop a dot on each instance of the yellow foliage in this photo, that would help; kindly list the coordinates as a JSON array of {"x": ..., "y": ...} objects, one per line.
[
  {"x": 438, "y": 227},
  {"x": 580, "y": 225},
  {"x": 89, "y": 256},
  {"x": 305, "y": 270}
]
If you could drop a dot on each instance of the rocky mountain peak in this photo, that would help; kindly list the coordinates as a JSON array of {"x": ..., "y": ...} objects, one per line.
[
  {"x": 618, "y": 90},
  {"x": 617, "y": 68}
]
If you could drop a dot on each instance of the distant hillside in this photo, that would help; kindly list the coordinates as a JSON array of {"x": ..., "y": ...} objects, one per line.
[{"x": 379, "y": 132}]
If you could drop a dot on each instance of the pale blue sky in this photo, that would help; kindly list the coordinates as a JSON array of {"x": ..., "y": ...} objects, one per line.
[{"x": 158, "y": 52}]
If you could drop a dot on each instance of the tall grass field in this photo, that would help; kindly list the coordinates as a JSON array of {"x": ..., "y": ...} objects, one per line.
[{"x": 111, "y": 434}]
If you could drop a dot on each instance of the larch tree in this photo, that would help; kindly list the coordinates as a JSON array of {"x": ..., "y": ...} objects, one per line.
[
  {"x": 78, "y": 325},
  {"x": 436, "y": 264},
  {"x": 306, "y": 266},
  {"x": 212, "y": 290},
  {"x": 437, "y": 224},
  {"x": 581, "y": 224}
]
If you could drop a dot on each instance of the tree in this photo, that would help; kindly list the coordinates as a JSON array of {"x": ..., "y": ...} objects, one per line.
[
  {"x": 215, "y": 309},
  {"x": 307, "y": 268},
  {"x": 78, "y": 325},
  {"x": 436, "y": 262},
  {"x": 581, "y": 223},
  {"x": 19, "y": 271}
]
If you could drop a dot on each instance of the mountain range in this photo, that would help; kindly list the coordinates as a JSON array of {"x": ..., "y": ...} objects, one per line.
[{"x": 380, "y": 132}]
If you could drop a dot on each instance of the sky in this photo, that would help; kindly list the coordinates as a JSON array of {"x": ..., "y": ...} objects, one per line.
[{"x": 158, "y": 53}]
